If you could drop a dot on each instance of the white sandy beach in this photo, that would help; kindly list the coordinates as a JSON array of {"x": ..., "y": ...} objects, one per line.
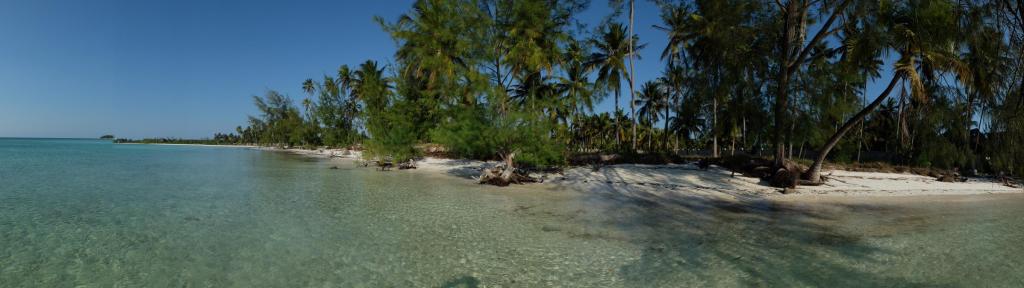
[
  {"x": 715, "y": 182},
  {"x": 718, "y": 182}
]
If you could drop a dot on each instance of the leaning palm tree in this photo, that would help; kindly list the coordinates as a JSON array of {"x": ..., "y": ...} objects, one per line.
[
  {"x": 918, "y": 32},
  {"x": 610, "y": 61}
]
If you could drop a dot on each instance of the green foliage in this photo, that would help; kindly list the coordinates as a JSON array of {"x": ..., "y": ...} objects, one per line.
[
  {"x": 489, "y": 78},
  {"x": 335, "y": 112},
  {"x": 280, "y": 123},
  {"x": 395, "y": 122},
  {"x": 476, "y": 132}
]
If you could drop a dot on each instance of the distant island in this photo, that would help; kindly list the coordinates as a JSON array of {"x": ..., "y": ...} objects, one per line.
[
  {"x": 218, "y": 139},
  {"x": 107, "y": 137}
]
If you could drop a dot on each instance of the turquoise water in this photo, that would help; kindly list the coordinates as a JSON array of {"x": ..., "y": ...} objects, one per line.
[{"x": 93, "y": 214}]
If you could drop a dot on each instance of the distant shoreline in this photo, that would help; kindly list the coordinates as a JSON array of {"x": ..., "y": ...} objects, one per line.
[{"x": 186, "y": 144}]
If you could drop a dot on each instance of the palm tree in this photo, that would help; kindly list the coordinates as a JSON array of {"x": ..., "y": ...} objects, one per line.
[
  {"x": 630, "y": 53},
  {"x": 982, "y": 56},
  {"x": 609, "y": 61},
  {"x": 368, "y": 78},
  {"x": 792, "y": 56},
  {"x": 687, "y": 120},
  {"x": 632, "y": 79},
  {"x": 533, "y": 88},
  {"x": 715, "y": 39},
  {"x": 677, "y": 31},
  {"x": 309, "y": 86},
  {"x": 919, "y": 35},
  {"x": 672, "y": 80},
  {"x": 651, "y": 102},
  {"x": 862, "y": 41},
  {"x": 435, "y": 43},
  {"x": 574, "y": 85},
  {"x": 679, "y": 34},
  {"x": 309, "y": 106}
]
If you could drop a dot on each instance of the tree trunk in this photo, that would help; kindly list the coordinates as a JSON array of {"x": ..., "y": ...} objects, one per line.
[
  {"x": 664, "y": 137},
  {"x": 813, "y": 174},
  {"x": 732, "y": 146},
  {"x": 743, "y": 135},
  {"x": 714, "y": 127},
  {"x": 782, "y": 95},
  {"x": 650, "y": 133},
  {"x": 780, "y": 126},
  {"x": 967, "y": 123},
  {"x": 863, "y": 101},
  {"x": 632, "y": 91},
  {"x": 618, "y": 138},
  {"x": 675, "y": 144},
  {"x": 791, "y": 62},
  {"x": 899, "y": 122}
]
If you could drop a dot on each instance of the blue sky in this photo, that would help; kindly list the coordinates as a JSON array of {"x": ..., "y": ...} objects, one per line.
[{"x": 189, "y": 68}]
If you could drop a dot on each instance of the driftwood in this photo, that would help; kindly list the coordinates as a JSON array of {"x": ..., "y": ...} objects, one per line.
[
  {"x": 505, "y": 174},
  {"x": 385, "y": 165},
  {"x": 785, "y": 176},
  {"x": 501, "y": 176},
  {"x": 407, "y": 165},
  {"x": 952, "y": 177},
  {"x": 1007, "y": 181}
]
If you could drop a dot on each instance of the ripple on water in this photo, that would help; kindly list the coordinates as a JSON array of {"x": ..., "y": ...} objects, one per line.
[{"x": 81, "y": 213}]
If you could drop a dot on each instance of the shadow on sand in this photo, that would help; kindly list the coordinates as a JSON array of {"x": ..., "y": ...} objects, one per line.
[
  {"x": 696, "y": 240},
  {"x": 462, "y": 282}
]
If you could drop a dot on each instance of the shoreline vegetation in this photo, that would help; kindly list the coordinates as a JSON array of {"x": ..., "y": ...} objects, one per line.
[{"x": 750, "y": 87}]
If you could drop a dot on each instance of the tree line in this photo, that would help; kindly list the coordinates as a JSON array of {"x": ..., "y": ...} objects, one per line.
[{"x": 519, "y": 80}]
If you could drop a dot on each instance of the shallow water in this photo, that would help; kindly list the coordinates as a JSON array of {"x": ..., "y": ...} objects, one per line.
[{"x": 94, "y": 214}]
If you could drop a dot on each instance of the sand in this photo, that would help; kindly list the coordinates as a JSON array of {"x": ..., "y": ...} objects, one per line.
[
  {"x": 720, "y": 183},
  {"x": 715, "y": 182}
]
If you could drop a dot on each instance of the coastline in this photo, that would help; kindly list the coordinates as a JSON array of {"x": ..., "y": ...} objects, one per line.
[
  {"x": 200, "y": 145},
  {"x": 688, "y": 180}
]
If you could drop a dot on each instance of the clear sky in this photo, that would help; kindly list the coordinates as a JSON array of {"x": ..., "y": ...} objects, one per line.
[{"x": 189, "y": 68}]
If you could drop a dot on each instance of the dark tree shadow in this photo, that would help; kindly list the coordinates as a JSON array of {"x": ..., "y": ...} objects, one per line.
[
  {"x": 462, "y": 282},
  {"x": 751, "y": 241}
]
